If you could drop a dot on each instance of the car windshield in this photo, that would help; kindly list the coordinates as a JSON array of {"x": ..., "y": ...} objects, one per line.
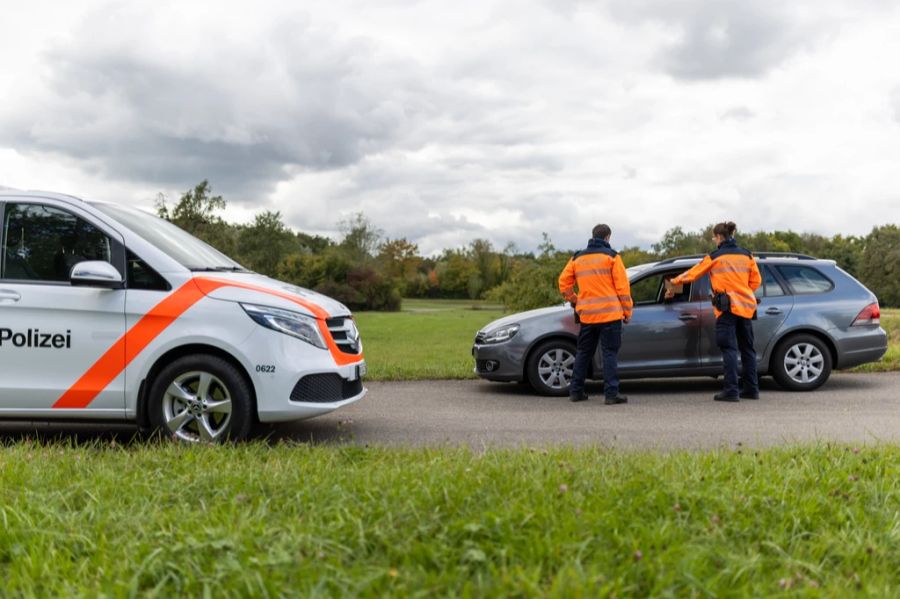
[{"x": 177, "y": 243}]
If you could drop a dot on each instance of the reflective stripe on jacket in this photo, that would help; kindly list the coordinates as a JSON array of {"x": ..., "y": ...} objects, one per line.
[
  {"x": 732, "y": 270},
  {"x": 604, "y": 294}
]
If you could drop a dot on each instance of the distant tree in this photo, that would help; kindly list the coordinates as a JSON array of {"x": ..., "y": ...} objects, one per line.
[
  {"x": 880, "y": 267},
  {"x": 264, "y": 243},
  {"x": 361, "y": 238},
  {"x": 633, "y": 256},
  {"x": 197, "y": 213}
]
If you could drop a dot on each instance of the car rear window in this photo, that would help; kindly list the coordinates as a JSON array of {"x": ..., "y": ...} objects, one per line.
[
  {"x": 805, "y": 279},
  {"x": 770, "y": 287}
]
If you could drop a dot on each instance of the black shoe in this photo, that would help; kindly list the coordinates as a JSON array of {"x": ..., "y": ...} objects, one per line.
[
  {"x": 578, "y": 396},
  {"x": 725, "y": 397},
  {"x": 749, "y": 395},
  {"x": 611, "y": 401}
]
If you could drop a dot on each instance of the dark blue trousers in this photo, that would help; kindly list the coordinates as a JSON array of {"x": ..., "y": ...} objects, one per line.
[
  {"x": 734, "y": 335},
  {"x": 608, "y": 336}
]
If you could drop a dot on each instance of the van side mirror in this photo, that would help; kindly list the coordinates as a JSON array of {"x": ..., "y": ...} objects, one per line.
[{"x": 95, "y": 273}]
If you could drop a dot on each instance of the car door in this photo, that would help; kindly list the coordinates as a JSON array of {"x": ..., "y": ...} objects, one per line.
[
  {"x": 52, "y": 333},
  {"x": 775, "y": 304},
  {"x": 663, "y": 335}
]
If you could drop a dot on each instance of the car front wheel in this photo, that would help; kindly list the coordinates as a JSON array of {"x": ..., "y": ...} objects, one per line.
[
  {"x": 549, "y": 367},
  {"x": 801, "y": 363},
  {"x": 201, "y": 398}
]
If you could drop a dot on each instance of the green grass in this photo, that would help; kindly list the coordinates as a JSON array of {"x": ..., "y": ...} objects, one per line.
[
  {"x": 890, "y": 321},
  {"x": 256, "y": 520},
  {"x": 428, "y": 339}
]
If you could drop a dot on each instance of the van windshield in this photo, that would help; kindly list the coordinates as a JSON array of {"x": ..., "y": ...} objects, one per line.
[{"x": 180, "y": 245}]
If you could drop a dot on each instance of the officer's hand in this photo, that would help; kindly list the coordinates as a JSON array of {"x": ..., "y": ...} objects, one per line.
[{"x": 626, "y": 320}]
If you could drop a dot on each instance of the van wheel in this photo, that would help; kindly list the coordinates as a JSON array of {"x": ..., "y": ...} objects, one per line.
[
  {"x": 801, "y": 363},
  {"x": 201, "y": 398},
  {"x": 549, "y": 367}
]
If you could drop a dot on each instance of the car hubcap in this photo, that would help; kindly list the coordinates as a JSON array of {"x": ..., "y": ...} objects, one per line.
[
  {"x": 804, "y": 363},
  {"x": 197, "y": 407},
  {"x": 555, "y": 368}
]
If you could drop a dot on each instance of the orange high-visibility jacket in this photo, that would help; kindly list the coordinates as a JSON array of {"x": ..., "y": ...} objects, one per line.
[
  {"x": 604, "y": 294},
  {"x": 732, "y": 270}
]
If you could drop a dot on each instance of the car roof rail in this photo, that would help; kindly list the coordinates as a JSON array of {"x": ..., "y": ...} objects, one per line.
[
  {"x": 763, "y": 255},
  {"x": 783, "y": 255},
  {"x": 677, "y": 258}
]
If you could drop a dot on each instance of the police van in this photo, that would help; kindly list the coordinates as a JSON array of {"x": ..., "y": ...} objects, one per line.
[{"x": 110, "y": 313}]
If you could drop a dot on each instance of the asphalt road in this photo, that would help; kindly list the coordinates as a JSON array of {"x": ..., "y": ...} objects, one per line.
[
  {"x": 661, "y": 414},
  {"x": 679, "y": 413}
]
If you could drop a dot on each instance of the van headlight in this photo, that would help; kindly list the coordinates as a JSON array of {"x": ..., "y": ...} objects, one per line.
[
  {"x": 502, "y": 334},
  {"x": 297, "y": 325}
]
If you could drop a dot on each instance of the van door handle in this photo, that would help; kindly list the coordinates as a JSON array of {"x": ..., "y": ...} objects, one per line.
[
  {"x": 8, "y": 295},
  {"x": 773, "y": 311},
  {"x": 686, "y": 317}
]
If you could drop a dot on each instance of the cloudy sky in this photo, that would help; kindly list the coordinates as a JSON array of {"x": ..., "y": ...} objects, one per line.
[{"x": 447, "y": 121}]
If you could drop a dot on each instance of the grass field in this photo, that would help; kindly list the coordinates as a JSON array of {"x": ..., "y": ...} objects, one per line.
[
  {"x": 432, "y": 339},
  {"x": 256, "y": 520},
  {"x": 428, "y": 339}
]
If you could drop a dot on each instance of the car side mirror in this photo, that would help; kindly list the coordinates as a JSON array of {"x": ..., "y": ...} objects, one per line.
[{"x": 95, "y": 273}]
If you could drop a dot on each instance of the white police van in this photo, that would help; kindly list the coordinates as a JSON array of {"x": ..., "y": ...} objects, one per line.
[{"x": 110, "y": 313}]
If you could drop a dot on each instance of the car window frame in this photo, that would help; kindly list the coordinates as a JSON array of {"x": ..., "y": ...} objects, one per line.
[
  {"x": 660, "y": 301},
  {"x": 787, "y": 284},
  {"x": 770, "y": 268},
  {"x": 168, "y": 283},
  {"x": 116, "y": 241}
]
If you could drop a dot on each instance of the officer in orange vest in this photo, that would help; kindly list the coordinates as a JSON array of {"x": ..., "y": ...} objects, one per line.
[
  {"x": 734, "y": 277},
  {"x": 603, "y": 303}
]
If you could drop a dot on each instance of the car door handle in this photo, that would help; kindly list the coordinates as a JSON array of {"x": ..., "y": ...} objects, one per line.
[
  {"x": 8, "y": 295},
  {"x": 773, "y": 311},
  {"x": 687, "y": 317}
]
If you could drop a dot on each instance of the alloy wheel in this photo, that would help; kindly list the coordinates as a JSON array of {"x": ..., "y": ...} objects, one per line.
[
  {"x": 804, "y": 363},
  {"x": 197, "y": 407},
  {"x": 555, "y": 368}
]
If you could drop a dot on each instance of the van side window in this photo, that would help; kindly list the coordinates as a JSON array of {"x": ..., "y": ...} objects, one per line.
[
  {"x": 804, "y": 279},
  {"x": 142, "y": 277},
  {"x": 43, "y": 243}
]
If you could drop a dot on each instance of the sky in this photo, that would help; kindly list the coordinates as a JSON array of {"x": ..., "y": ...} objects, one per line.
[{"x": 448, "y": 121}]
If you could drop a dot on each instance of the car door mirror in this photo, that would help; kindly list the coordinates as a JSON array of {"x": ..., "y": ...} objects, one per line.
[{"x": 95, "y": 273}]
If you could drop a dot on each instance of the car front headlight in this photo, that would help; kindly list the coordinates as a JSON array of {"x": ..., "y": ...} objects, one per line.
[
  {"x": 297, "y": 325},
  {"x": 502, "y": 334}
]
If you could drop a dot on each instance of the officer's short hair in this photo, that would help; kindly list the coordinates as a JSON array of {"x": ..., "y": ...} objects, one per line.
[{"x": 601, "y": 232}]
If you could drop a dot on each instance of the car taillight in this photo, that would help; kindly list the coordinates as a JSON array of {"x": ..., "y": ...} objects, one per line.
[{"x": 871, "y": 314}]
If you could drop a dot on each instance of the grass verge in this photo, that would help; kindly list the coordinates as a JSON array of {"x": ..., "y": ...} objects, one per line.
[
  {"x": 428, "y": 339},
  {"x": 253, "y": 520}
]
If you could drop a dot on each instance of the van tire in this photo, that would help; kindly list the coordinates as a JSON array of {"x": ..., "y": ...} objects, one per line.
[
  {"x": 798, "y": 357},
  {"x": 555, "y": 352},
  {"x": 179, "y": 408}
]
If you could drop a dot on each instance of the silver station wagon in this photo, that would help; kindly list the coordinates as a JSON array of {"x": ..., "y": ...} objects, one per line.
[{"x": 813, "y": 317}]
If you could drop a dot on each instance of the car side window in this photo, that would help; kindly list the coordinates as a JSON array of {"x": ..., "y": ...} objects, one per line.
[
  {"x": 770, "y": 286},
  {"x": 649, "y": 290},
  {"x": 43, "y": 243},
  {"x": 142, "y": 277},
  {"x": 804, "y": 279}
]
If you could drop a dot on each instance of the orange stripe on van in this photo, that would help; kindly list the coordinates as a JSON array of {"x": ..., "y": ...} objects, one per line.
[{"x": 111, "y": 364}]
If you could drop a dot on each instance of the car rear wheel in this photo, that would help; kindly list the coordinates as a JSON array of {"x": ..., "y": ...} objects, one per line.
[
  {"x": 201, "y": 398},
  {"x": 549, "y": 367},
  {"x": 801, "y": 363}
]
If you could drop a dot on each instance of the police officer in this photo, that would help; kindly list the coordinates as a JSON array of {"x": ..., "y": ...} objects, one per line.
[
  {"x": 734, "y": 277},
  {"x": 603, "y": 303}
]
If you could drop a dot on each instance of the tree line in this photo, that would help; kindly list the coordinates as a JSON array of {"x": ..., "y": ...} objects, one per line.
[{"x": 368, "y": 271}]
